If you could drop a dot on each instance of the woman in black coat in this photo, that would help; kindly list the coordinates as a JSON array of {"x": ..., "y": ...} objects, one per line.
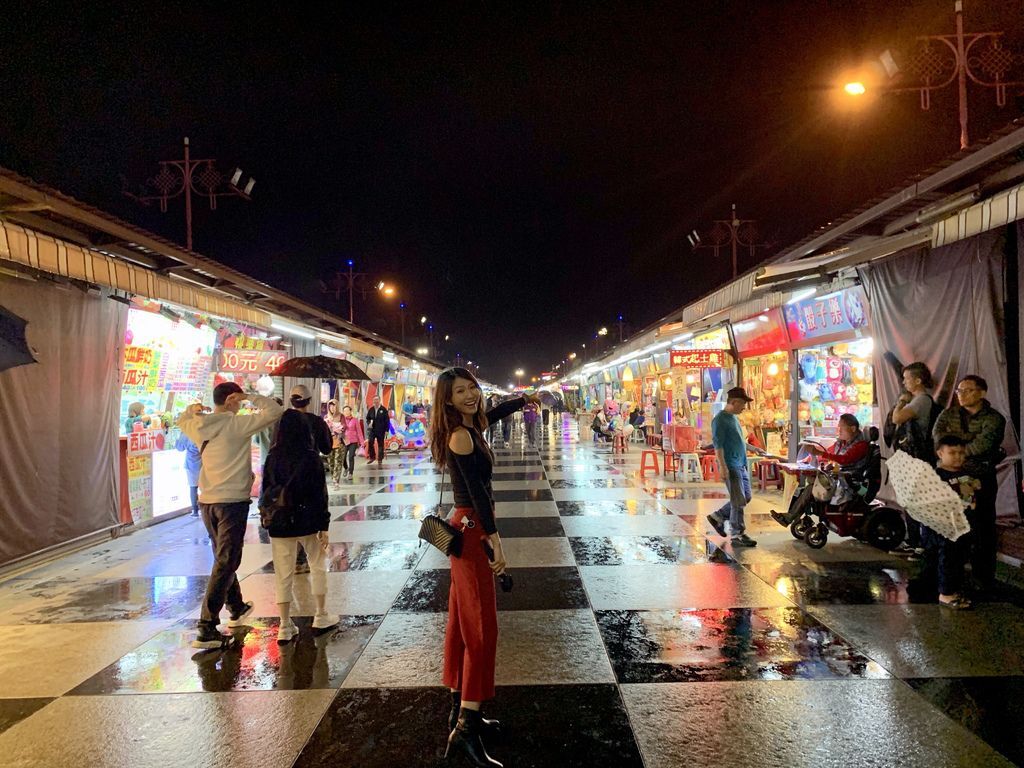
[{"x": 294, "y": 473}]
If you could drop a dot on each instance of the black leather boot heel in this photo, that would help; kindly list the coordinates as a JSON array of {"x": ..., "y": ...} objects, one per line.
[
  {"x": 466, "y": 738},
  {"x": 489, "y": 728}
]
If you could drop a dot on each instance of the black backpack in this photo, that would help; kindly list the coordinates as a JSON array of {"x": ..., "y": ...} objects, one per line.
[{"x": 909, "y": 438}]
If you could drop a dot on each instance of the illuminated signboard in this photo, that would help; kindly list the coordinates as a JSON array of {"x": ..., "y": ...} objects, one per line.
[
  {"x": 843, "y": 314},
  {"x": 761, "y": 335},
  {"x": 697, "y": 358},
  {"x": 250, "y": 360}
]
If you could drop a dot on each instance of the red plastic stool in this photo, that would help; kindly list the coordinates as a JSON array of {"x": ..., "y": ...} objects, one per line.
[
  {"x": 768, "y": 474},
  {"x": 709, "y": 467},
  {"x": 619, "y": 443},
  {"x": 652, "y": 465}
]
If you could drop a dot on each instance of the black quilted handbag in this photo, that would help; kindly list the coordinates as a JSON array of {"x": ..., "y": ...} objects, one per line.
[{"x": 438, "y": 532}]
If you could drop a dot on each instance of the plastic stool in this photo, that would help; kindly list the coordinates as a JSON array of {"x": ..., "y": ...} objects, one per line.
[
  {"x": 646, "y": 466},
  {"x": 691, "y": 468},
  {"x": 709, "y": 467},
  {"x": 768, "y": 474},
  {"x": 619, "y": 443}
]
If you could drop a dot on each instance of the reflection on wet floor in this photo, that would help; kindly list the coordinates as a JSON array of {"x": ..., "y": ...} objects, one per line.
[
  {"x": 254, "y": 661},
  {"x": 727, "y": 644},
  {"x": 610, "y": 508},
  {"x": 648, "y": 550}
]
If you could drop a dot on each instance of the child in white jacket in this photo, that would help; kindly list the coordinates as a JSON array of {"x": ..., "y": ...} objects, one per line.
[{"x": 224, "y": 438}]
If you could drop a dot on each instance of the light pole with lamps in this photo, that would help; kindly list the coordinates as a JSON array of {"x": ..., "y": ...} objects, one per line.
[
  {"x": 187, "y": 176},
  {"x": 987, "y": 67},
  {"x": 519, "y": 376}
]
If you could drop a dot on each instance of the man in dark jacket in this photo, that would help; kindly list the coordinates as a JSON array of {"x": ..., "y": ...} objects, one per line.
[
  {"x": 974, "y": 419},
  {"x": 377, "y": 424},
  {"x": 300, "y": 400}
]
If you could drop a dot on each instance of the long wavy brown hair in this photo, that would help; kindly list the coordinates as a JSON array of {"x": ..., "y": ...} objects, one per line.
[{"x": 446, "y": 418}]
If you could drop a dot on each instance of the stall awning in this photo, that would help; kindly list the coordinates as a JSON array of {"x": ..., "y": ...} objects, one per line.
[
  {"x": 836, "y": 261},
  {"x": 48, "y": 254},
  {"x": 997, "y": 211}
]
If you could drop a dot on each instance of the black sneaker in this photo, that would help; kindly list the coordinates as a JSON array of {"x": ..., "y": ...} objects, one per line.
[
  {"x": 209, "y": 637},
  {"x": 718, "y": 525},
  {"x": 241, "y": 619},
  {"x": 743, "y": 541}
]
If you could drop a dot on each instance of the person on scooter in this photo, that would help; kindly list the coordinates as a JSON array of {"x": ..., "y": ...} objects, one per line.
[{"x": 851, "y": 452}]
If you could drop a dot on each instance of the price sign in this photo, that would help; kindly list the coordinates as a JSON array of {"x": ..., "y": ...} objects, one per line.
[{"x": 260, "y": 362}]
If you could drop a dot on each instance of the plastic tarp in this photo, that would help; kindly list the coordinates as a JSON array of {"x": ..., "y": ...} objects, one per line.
[
  {"x": 944, "y": 307},
  {"x": 59, "y": 418}
]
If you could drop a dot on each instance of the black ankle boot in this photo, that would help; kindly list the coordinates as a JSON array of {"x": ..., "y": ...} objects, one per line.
[
  {"x": 466, "y": 737},
  {"x": 488, "y": 728}
]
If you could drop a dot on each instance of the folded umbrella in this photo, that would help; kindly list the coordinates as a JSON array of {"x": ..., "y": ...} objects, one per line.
[
  {"x": 926, "y": 497},
  {"x": 14, "y": 349},
  {"x": 320, "y": 367}
]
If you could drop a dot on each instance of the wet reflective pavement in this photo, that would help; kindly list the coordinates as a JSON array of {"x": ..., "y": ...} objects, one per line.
[{"x": 634, "y": 636}]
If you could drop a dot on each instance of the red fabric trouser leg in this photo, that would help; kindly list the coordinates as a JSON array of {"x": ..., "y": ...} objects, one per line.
[{"x": 471, "y": 639}]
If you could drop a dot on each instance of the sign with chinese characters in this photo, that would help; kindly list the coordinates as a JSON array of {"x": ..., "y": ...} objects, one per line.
[
  {"x": 697, "y": 358},
  {"x": 145, "y": 441},
  {"x": 140, "y": 486},
  {"x": 835, "y": 316},
  {"x": 260, "y": 362}
]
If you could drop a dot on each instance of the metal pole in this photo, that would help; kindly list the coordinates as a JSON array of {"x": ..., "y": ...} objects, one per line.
[
  {"x": 351, "y": 285},
  {"x": 188, "y": 199},
  {"x": 402, "y": 311},
  {"x": 961, "y": 64},
  {"x": 735, "y": 231}
]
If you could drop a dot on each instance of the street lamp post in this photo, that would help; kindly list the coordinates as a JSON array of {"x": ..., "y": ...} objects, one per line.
[
  {"x": 401, "y": 310},
  {"x": 987, "y": 66},
  {"x": 519, "y": 376},
  {"x": 734, "y": 232},
  {"x": 621, "y": 322},
  {"x": 179, "y": 177}
]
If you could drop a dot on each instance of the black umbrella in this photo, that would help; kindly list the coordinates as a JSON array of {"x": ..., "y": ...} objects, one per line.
[
  {"x": 320, "y": 367},
  {"x": 14, "y": 349}
]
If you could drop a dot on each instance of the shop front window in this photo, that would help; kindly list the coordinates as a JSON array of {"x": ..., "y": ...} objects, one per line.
[{"x": 835, "y": 379}]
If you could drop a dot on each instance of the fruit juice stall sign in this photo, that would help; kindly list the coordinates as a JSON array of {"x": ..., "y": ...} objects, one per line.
[
  {"x": 254, "y": 361},
  {"x": 140, "y": 486}
]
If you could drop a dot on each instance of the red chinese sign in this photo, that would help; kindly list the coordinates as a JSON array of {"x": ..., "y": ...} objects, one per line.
[
  {"x": 697, "y": 358},
  {"x": 145, "y": 442},
  {"x": 249, "y": 361}
]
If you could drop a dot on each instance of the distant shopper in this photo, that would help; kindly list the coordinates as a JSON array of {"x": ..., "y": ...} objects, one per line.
[
  {"x": 294, "y": 466},
  {"x": 530, "y": 417},
  {"x": 731, "y": 448},
  {"x": 408, "y": 409},
  {"x": 193, "y": 463},
  {"x": 982, "y": 427},
  {"x": 300, "y": 399},
  {"x": 224, "y": 438},
  {"x": 353, "y": 437},
  {"x": 336, "y": 424},
  {"x": 506, "y": 429},
  {"x": 545, "y": 417},
  {"x": 377, "y": 424},
  {"x": 944, "y": 558}
]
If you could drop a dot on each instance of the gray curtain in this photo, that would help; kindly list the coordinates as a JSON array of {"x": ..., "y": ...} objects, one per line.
[
  {"x": 944, "y": 307},
  {"x": 58, "y": 418}
]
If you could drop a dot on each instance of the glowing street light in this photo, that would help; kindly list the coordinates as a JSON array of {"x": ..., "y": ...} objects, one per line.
[
  {"x": 422, "y": 351},
  {"x": 519, "y": 376},
  {"x": 855, "y": 89},
  {"x": 602, "y": 332},
  {"x": 423, "y": 320}
]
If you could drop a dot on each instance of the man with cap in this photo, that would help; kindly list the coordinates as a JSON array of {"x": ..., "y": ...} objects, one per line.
[
  {"x": 224, "y": 438},
  {"x": 731, "y": 449}
]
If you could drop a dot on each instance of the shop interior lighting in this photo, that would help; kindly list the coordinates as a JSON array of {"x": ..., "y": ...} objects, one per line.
[
  {"x": 390, "y": 357},
  {"x": 275, "y": 337},
  {"x": 333, "y": 350},
  {"x": 656, "y": 347},
  {"x": 801, "y": 295},
  {"x": 292, "y": 331},
  {"x": 683, "y": 337}
]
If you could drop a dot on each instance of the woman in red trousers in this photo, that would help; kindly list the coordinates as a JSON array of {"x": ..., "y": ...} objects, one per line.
[{"x": 457, "y": 445}]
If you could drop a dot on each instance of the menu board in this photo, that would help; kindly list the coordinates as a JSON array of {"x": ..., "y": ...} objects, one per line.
[
  {"x": 167, "y": 363},
  {"x": 140, "y": 486}
]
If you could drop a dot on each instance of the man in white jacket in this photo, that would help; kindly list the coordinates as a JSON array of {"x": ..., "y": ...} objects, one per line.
[{"x": 225, "y": 484}]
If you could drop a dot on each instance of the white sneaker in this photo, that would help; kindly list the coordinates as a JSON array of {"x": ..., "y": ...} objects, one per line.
[
  {"x": 286, "y": 632},
  {"x": 324, "y": 621},
  {"x": 242, "y": 619}
]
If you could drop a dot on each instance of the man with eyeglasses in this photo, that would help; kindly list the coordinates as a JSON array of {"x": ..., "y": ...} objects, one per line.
[{"x": 974, "y": 420}]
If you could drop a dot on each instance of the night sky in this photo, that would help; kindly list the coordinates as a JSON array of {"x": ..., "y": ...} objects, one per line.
[{"x": 523, "y": 172}]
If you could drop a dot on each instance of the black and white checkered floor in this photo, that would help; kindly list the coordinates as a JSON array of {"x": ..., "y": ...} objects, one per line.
[{"x": 633, "y": 637}]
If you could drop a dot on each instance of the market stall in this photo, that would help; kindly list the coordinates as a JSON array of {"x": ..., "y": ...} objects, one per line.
[
  {"x": 167, "y": 364},
  {"x": 830, "y": 335},
  {"x": 703, "y": 368},
  {"x": 763, "y": 347}
]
